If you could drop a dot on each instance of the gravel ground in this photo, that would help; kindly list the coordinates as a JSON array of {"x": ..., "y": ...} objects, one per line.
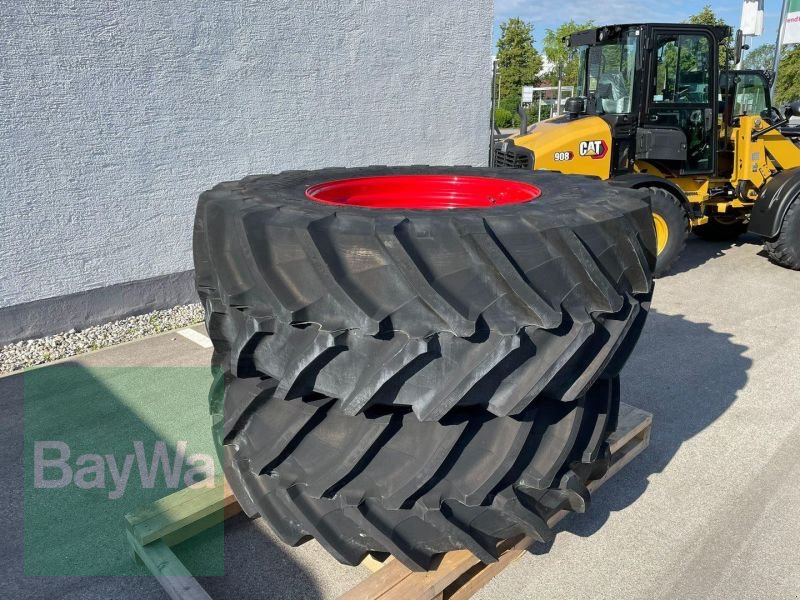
[{"x": 28, "y": 353}]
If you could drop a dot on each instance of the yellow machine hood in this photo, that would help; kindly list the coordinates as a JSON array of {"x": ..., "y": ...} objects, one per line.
[{"x": 570, "y": 145}]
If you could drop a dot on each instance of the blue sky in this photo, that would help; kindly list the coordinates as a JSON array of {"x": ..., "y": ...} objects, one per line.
[{"x": 605, "y": 12}]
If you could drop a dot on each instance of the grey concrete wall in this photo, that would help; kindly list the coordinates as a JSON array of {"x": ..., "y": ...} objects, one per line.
[{"x": 116, "y": 115}]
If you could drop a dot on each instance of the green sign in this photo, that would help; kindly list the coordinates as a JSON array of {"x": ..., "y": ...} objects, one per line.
[{"x": 100, "y": 443}]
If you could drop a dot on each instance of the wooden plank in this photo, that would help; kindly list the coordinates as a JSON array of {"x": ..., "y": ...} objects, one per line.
[
  {"x": 425, "y": 585},
  {"x": 479, "y": 579},
  {"x": 372, "y": 563},
  {"x": 152, "y": 529},
  {"x": 632, "y": 421},
  {"x": 170, "y": 572},
  {"x": 196, "y": 505},
  {"x": 380, "y": 582},
  {"x": 195, "y": 527},
  {"x": 158, "y": 507},
  {"x": 397, "y": 581}
]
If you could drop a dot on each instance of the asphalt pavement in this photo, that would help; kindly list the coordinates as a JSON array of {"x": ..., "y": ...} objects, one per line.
[{"x": 710, "y": 510}]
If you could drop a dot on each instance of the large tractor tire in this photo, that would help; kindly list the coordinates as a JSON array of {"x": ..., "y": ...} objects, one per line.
[
  {"x": 784, "y": 250},
  {"x": 414, "y": 360},
  {"x": 672, "y": 228},
  {"x": 383, "y": 481},
  {"x": 426, "y": 308}
]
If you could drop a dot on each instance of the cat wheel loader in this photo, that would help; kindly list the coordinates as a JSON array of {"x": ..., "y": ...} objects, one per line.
[{"x": 654, "y": 110}]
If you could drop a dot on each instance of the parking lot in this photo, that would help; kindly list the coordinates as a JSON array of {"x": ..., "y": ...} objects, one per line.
[{"x": 708, "y": 511}]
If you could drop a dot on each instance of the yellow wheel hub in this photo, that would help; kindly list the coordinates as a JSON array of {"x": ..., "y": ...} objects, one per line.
[{"x": 662, "y": 232}]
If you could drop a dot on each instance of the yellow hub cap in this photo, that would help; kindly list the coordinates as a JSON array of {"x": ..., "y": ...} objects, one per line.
[{"x": 662, "y": 232}]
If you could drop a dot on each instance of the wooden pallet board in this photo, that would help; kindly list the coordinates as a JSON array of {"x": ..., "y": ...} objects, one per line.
[{"x": 152, "y": 529}]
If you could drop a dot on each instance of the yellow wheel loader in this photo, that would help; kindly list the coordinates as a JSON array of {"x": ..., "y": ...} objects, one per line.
[{"x": 654, "y": 110}]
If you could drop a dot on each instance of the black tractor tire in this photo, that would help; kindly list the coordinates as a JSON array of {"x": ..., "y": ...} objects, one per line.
[
  {"x": 417, "y": 381},
  {"x": 668, "y": 207},
  {"x": 720, "y": 230},
  {"x": 784, "y": 249},
  {"x": 432, "y": 309},
  {"x": 385, "y": 482}
]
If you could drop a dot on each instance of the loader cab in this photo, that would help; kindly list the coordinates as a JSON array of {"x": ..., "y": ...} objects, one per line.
[{"x": 657, "y": 86}]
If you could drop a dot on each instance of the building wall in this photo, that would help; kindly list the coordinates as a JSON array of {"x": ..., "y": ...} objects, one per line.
[{"x": 116, "y": 115}]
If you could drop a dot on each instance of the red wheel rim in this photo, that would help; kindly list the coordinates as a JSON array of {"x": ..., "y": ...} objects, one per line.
[{"x": 427, "y": 192}]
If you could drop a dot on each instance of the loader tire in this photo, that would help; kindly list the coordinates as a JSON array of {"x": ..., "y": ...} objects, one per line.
[
  {"x": 719, "y": 229},
  {"x": 784, "y": 249},
  {"x": 431, "y": 309},
  {"x": 384, "y": 482},
  {"x": 672, "y": 228}
]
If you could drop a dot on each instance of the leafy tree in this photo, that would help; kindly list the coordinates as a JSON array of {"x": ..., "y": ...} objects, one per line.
[
  {"x": 707, "y": 16},
  {"x": 760, "y": 58},
  {"x": 557, "y": 52},
  {"x": 518, "y": 62},
  {"x": 787, "y": 88}
]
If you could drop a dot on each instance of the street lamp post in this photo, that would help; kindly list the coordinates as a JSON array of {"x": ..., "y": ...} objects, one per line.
[{"x": 558, "y": 94}]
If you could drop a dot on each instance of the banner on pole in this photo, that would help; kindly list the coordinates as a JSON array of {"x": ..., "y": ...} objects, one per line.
[
  {"x": 752, "y": 17},
  {"x": 791, "y": 31}
]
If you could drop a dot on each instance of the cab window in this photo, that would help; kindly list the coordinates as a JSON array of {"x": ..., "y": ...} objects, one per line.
[
  {"x": 607, "y": 72},
  {"x": 681, "y": 95},
  {"x": 682, "y": 73},
  {"x": 741, "y": 94},
  {"x": 750, "y": 95}
]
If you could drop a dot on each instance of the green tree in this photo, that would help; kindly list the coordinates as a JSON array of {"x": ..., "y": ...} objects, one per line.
[
  {"x": 787, "y": 88},
  {"x": 707, "y": 16},
  {"x": 760, "y": 58},
  {"x": 518, "y": 62},
  {"x": 557, "y": 52}
]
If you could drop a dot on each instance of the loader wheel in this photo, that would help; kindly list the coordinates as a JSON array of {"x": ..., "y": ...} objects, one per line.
[
  {"x": 383, "y": 481},
  {"x": 496, "y": 287},
  {"x": 671, "y": 226},
  {"x": 784, "y": 249},
  {"x": 720, "y": 229}
]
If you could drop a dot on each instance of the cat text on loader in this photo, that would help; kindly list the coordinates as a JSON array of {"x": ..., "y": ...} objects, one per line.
[{"x": 653, "y": 110}]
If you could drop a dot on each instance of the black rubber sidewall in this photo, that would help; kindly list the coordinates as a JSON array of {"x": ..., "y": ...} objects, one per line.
[{"x": 784, "y": 250}]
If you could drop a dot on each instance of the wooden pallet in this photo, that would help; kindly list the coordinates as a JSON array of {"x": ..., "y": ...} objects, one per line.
[{"x": 152, "y": 529}]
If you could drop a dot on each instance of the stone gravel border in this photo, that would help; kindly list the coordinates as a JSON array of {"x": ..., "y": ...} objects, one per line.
[{"x": 29, "y": 353}]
